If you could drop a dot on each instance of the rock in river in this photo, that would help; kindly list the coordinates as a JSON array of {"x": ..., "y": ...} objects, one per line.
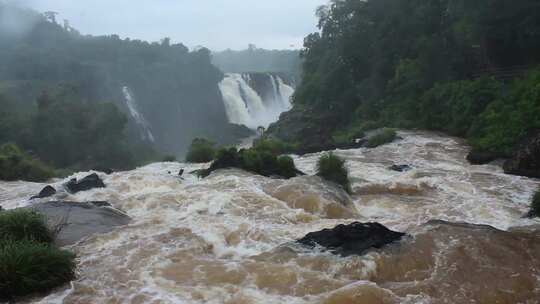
[
  {"x": 353, "y": 239},
  {"x": 89, "y": 182},
  {"x": 45, "y": 192},
  {"x": 79, "y": 220}
]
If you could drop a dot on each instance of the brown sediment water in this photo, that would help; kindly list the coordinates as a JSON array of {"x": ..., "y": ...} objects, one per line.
[{"x": 229, "y": 238}]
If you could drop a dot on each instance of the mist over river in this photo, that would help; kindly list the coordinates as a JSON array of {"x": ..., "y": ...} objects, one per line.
[{"x": 228, "y": 238}]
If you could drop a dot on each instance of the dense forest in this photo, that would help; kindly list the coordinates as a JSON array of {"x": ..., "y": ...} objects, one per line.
[
  {"x": 62, "y": 94},
  {"x": 259, "y": 60},
  {"x": 464, "y": 67}
]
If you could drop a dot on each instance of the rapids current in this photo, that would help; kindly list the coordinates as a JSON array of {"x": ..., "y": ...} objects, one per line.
[{"x": 228, "y": 238}]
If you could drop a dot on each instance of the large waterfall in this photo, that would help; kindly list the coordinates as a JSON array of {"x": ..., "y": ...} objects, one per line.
[
  {"x": 140, "y": 121},
  {"x": 255, "y": 99}
]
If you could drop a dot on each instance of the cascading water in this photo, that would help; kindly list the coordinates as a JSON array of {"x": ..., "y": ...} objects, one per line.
[
  {"x": 255, "y": 100},
  {"x": 227, "y": 238},
  {"x": 145, "y": 131}
]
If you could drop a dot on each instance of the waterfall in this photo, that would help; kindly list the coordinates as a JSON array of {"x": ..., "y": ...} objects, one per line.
[
  {"x": 256, "y": 99},
  {"x": 146, "y": 133}
]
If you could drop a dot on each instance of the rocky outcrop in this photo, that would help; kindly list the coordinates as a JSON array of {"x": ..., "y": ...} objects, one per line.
[
  {"x": 310, "y": 130},
  {"x": 89, "y": 182},
  {"x": 525, "y": 160},
  {"x": 76, "y": 221},
  {"x": 48, "y": 191},
  {"x": 478, "y": 157},
  {"x": 353, "y": 239}
]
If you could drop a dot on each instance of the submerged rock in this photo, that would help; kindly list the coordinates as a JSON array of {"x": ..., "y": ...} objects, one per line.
[
  {"x": 314, "y": 195},
  {"x": 87, "y": 183},
  {"x": 353, "y": 239},
  {"x": 525, "y": 160},
  {"x": 48, "y": 191},
  {"x": 76, "y": 221}
]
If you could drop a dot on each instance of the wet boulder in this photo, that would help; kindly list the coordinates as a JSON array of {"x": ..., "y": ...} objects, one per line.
[
  {"x": 478, "y": 157},
  {"x": 89, "y": 182},
  {"x": 48, "y": 191},
  {"x": 354, "y": 239},
  {"x": 75, "y": 221},
  {"x": 400, "y": 168},
  {"x": 525, "y": 160}
]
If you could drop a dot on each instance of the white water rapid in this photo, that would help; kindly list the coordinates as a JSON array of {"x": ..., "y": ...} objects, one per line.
[
  {"x": 254, "y": 107},
  {"x": 146, "y": 133},
  {"x": 226, "y": 238}
]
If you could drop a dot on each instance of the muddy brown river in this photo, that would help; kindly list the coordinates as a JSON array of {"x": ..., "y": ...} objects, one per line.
[{"x": 229, "y": 238}]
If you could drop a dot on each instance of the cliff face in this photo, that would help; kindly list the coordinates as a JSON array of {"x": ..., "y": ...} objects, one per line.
[{"x": 525, "y": 160}]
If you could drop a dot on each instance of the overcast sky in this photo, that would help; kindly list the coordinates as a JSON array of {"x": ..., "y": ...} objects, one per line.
[{"x": 216, "y": 24}]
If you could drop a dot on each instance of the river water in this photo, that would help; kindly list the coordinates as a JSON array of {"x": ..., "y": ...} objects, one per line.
[{"x": 228, "y": 238}]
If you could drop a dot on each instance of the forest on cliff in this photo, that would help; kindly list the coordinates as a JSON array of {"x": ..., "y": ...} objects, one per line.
[
  {"x": 467, "y": 68},
  {"x": 62, "y": 99}
]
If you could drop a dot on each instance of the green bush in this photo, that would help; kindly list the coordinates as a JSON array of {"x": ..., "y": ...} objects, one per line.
[
  {"x": 24, "y": 224},
  {"x": 28, "y": 267},
  {"x": 385, "y": 136},
  {"x": 286, "y": 166},
  {"x": 253, "y": 160},
  {"x": 274, "y": 146},
  {"x": 201, "y": 151},
  {"x": 535, "y": 205},
  {"x": 332, "y": 168},
  {"x": 15, "y": 165}
]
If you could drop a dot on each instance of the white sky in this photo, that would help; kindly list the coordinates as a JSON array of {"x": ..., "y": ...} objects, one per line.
[{"x": 216, "y": 24}]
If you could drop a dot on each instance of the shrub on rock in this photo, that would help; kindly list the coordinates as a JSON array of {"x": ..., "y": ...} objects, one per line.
[
  {"x": 384, "y": 136},
  {"x": 24, "y": 224},
  {"x": 201, "y": 151},
  {"x": 28, "y": 267},
  {"x": 286, "y": 166},
  {"x": 253, "y": 160},
  {"x": 535, "y": 205},
  {"x": 332, "y": 168},
  {"x": 274, "y": 146}
]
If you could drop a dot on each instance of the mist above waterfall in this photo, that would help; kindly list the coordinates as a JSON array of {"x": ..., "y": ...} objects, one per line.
[{"x": 255, "y": 99}]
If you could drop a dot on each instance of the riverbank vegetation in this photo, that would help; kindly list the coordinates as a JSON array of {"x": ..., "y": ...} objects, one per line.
[
  {"x": 15, "y": 164},
  {"x": 467, "y": 68},
  {"x": 29, "y": 262}
]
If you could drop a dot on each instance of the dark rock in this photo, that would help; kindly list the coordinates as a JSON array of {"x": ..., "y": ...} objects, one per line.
[
  {"x": 477, "y": 157},
  {"x": 89, "y": 182},
  {"x": 525, "y": 160},
  {"x": 400, "y": 168},
  {"x": 76, "y": 221},
  {"x": 45, "y": 192},
  {"x": 353, "y": 239},
  {"x": 310, "y": 128}
]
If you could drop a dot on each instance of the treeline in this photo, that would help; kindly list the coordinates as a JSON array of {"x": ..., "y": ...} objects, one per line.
[
  {"x": 62, "y": 99},
  {"x": 426, "y": 64},
  {"x": 258, "y": 60}
]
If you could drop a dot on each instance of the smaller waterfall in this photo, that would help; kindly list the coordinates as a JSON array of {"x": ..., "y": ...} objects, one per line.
[
  {"x": 255, "y": 100},
  {"x": 146, "y": 133}
]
